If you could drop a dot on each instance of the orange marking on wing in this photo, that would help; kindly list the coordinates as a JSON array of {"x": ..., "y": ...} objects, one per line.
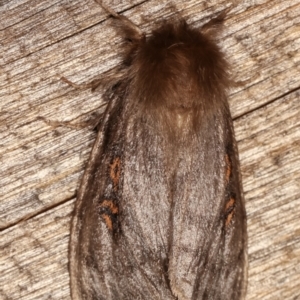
[
  {"x": 110, "y": 205},
  {"x": 230, "y": 209},
  {"x": 107, "y": 220},
  {"x": 229, "y": 218},
  {"x": 115, "y": 171},
  {"x": 228, "y": 168},
  {"x": 229, "y": 204}
]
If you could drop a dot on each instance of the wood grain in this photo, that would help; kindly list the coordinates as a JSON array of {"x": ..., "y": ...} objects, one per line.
[{"x": 41, "y": 166}]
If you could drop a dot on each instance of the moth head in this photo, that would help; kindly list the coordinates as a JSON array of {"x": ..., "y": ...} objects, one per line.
[{"x": 177, "y": 71}]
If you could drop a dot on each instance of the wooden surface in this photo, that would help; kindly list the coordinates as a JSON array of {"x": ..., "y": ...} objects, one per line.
[{"x": 41, "y": 166}]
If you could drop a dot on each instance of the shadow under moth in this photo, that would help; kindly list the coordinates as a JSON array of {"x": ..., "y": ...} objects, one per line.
[{"x": 160, "y": 212}]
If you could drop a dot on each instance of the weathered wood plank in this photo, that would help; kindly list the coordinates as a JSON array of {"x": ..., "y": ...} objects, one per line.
[
  {"x": 269, "y": 144},
  {"x": 33, "y": 257},
  {"x": 40, "y": 167}
]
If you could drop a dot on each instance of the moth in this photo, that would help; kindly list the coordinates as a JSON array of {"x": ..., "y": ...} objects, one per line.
[{"x": 160, "y": 212}]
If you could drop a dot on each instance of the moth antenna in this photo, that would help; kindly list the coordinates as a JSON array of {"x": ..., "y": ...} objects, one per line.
[
  {"x": 129, "y": 30},
  {"x": 108, "y": 9},
  {"x": 215, "y": 24}
]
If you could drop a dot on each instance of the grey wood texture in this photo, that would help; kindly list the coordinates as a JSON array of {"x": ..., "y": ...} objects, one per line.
[{"x": 41, "y": 165}]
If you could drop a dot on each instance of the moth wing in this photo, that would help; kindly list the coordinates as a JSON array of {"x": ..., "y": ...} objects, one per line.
[
  {"x": 119, "y": 236},
  {"x": 145, "y": 211},
  {"x": 83, "y": 231},
  {"x": 120, "y": 233},
  {"x": 208, "y": 249}
]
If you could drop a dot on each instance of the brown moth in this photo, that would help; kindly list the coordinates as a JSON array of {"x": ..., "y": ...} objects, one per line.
[{"x": 160, "y": 213}]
